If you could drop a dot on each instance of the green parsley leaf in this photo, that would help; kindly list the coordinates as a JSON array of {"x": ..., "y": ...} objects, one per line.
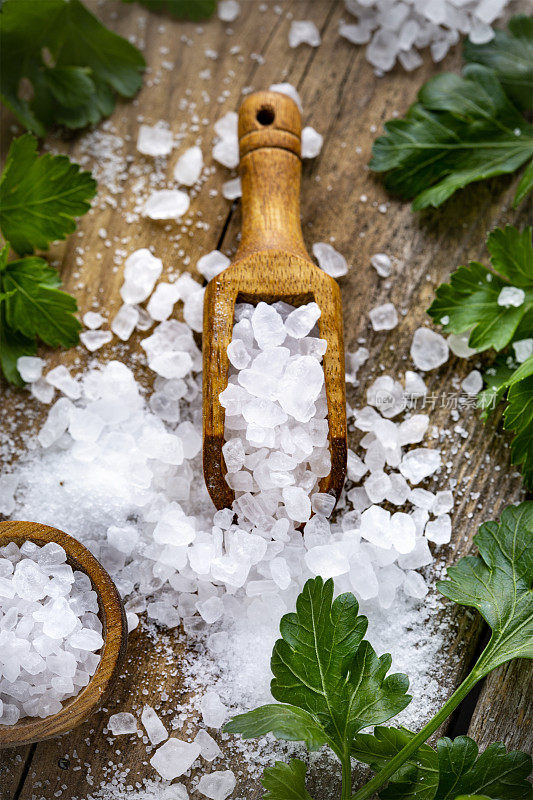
[
  {"x": 40, "y": 196},
  {"x": 498, "y": 583},
  {"x": 417, "y": 779},
  {"x": 470, "y": 300},
  {"x": 518, "y": 417},
  {"x": 461, "y": 130},
  {"x": 35, "y": 305},
  {"x": 286, "y": 781},
  {"x": 284, "y": 721},
  {"x": 455, "y": 768},
  {"x": 496, "y": 378},
  {"x": 510, "y": 55},
  {"x": 194, "y": 10},
  {"x": 85, "y": 65}
]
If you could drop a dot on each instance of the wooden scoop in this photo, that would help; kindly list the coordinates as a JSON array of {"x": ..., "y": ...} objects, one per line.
[
  {"x": 271, "y": 264},
  {"x": 115, "y": 633}
]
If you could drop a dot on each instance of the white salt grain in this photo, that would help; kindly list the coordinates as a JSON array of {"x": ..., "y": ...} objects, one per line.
[
  {"x": 383, "y": 318},
  {"x": 154, "y": 140},
  {"x": 30, "y": 368},
  {"x": 166, "y": 204},
  {"x": 382, "y": 264},
  {"x": 303, "y": 32},
  {"x": 312, "y": 142},
  {"x": 330, "y": 260},
  {"x": 214, "y": 712},
  {"x": 189, "y": 166},
  {"x": 228, "y": 10},
  {"x": 217, "y": 785},
  {"x": 94, "y": 340},
  {"x": 212, "y": 264},
  {"x": 153, "y": 726},
  {"x": 174, "y": 758},
  {"x": 429, "y": 349}
]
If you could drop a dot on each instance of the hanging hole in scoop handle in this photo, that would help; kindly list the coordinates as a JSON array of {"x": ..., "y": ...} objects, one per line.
[{"x": 269, "y": 119}]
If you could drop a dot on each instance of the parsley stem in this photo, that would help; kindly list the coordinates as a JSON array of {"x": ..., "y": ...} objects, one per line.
[
  {"x": 400, "y": 758},
  {"x": 346, "y": 778}
]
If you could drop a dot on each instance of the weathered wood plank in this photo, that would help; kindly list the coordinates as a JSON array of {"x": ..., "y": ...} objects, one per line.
[{"x": 343, "y": 100}]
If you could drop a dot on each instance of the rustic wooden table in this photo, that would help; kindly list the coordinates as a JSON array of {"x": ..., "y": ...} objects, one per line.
[{"x": 347, "y": 103}]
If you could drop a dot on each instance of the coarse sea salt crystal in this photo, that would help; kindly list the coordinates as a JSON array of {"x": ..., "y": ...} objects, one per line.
[
  {"x": 439, "y": 530},
  {"x": 174, "y": 758},
  {"x": 153, "y": 726},
  {"x": 154, "y": 140},
  {"x": 217, "y": 785},
  {"x": 94, "y": 340},
  {"x": 511, "y": 297},
  {"x": 141, "y": 271},
  {"x": 301, "y": 321},
  {"x": 458, "y": 344},
  {"x": 30, "y": 368},
  {"x": 289, "y": 90},
  {"x": 60, "y": 378},
  {"x": 429, "y": 349},
  {"x": 228, "y": 10},
  {"x": 473, "y": 383},
  {"x": 162, "y": 301},
  {"x": 382, "y": 264},
  {"x": 383, "y": 318},
  {"x": 330, "y": 260},
  {"x": 523, "y": 348},
  {"x": 189, "y": 166},
  {"x": 419, "y": 463},
  {"x": 124, "y": 322},
  {"x": 312, "y": 142},
  {"x": 212, "y": 264},
  {"x": 166, "y": 204},
  {"x": 93, "y": 320},
  {"x": 303, "y": 32},
  {"x": 232, "y": 189},
  {"x": 209, "y": 747},
  {"x": 213, "y": 710}
]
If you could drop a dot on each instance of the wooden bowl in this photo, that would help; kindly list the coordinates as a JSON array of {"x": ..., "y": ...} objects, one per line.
[{"x": 111, "y": 612}]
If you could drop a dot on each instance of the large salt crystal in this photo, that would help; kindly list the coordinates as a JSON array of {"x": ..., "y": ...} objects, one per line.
[
  {"x": 330, "y": 260},
  {"x": 174, "y": 758},
  {"x": 166, "y": 204},
  {"x": 419, "y": 463},
  {"x": 94, "y": 340},
  {"x": 228, "y": 10},
  {"x": 443, "y": 503},
  {"x": 327, "y": 560},
  {"x": 300, "y": 322},
  {"x": 439, "y": 530},
  {"x": 232, "y": 189},
  {"x": 382, "y": 264},
  {"x": 300, "y": 387},
  {"x": 312, "y": 142},
  {"x": 523, "y": 348},
  {"x": 141, "y": 271},
  {"x": 93, "y": 320},
  {"x": 268, "y": 327},
  {"x": 124, "y": 322},
  {"x": 429, "y": 349},
  {"x": 154, "y": 140},
  {"x": 414, "y": 585},
  {"x": 56, "y": 423},
  {"x": 511, "y": 297},
  {"x": 402, "y": 532},
  {"x": 226, "y": 150},
  {"x": 387, "y": 395},
  {"x": 8, "y": 486},
  {"x": 473, "y": 383},
  {"x": 162, "y": 301},
  {"x": 297, "y": 503},
  {"x": 217, "y": 785},
  {"x": 303, "y": 32},
  {"x": 30, "y": 368},
  {"x": 213, "y": 710},
  {"x": 60, "y": 378},
  {"x": 209, "y": 748},
  {"x": 212, "y": 264},
  {"x": 289, "y": 90},
  {"x": 383, "y": 318},
  {"x": 458, "y": 344},
  {"x": 189, "y": 166},
  {"x": 375, "y": 526},
  {"x": 153, "y": 726}
]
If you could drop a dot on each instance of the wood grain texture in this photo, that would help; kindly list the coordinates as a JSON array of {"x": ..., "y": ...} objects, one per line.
[
  {"x": 347, "y": 103},
  {"x": 271, "y": 264},
  {"x": 111, "y": 613}
]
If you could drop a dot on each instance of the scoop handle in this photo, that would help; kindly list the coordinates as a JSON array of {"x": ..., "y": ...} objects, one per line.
[{"x": 270, "y": 128}]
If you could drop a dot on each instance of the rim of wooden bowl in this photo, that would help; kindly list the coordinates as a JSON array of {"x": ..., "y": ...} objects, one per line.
[{"x": 111, "y": 612}]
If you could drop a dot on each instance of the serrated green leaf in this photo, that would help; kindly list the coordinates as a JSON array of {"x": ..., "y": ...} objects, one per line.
[
  {"x": 40, "y": 196},
  {"x": 194, "y": 10},
  {"x": 417, "y": 779},
  {"x": 495, "y": 773},
  {"x": 284, "y": 721},
  {"x": 496, "y": 385},
  {"x": 470, "y": 300},
  {"x": 518, "y": 417},
  {"x": 322, "y": 665},
  {"x": 79, "y": 48},
  {"x": 286, "y": 781},
  {"x": 36, "y": 307},
  {"x": 455, "y": 768},
  {"x": 510, "y": 55},
  {"x": 498, "y": 583},
  {"x": 461, "y": 130}
]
